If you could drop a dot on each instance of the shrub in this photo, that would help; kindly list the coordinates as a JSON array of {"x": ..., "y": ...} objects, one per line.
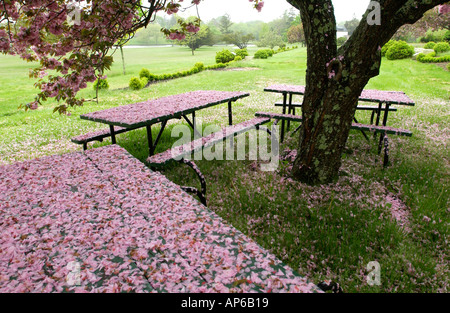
[
  {"x": 261, "y": 54},
  {"x": 144, "y": 81},
  {"x": 341, "y": 40},
  {"x": 436, "y": 36},
  {"x": 270, "y": 52},
  {"x": 200, "y": 66},
  {"x": 237, "y": 58},
  {"x": 442, "y": 47},
  {"x": 447, "y": 36},
  {"x": 146, "y": 73},
  {"x": 101, "y": 83},
  {"x": 448, "y": 66},
  {"x": 241, "y": 53},
  {"x": 386, "y": 47},
  {"x": 430, "y": 45},
  {"x": 399, "y": 50},
  {"x": 224, "y": 56},
  {"x": 135, "y": 83}
]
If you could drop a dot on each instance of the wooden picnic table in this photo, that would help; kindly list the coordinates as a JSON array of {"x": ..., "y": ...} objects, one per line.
[
  {"x": 161, "y": 110},
  {"x": 122, "y": 228},
  {"x": 381, "y": 97}
]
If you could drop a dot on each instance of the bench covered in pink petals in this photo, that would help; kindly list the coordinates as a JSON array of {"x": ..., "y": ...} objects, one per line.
[
  {"x": 98, "y": 135},
  {"x": 101, "y": 221},
  {"x": 376, "y": 129},
  {"x": 182, "y": 153}
]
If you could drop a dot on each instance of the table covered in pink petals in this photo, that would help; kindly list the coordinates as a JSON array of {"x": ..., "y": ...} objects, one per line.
[
  {"x": 126, "y": 228},
  {"x": 369, "y": 95},
  {"x": 157, "y": 110},
  {"x": 383, "y": 98},
  {"x": 161, "y": 110}
]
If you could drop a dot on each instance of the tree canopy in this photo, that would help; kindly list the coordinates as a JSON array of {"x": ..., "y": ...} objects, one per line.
[{"x": 73, "y": 39}]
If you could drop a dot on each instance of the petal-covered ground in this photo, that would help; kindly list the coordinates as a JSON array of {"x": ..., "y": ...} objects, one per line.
[{"x": 126, "y": 227}]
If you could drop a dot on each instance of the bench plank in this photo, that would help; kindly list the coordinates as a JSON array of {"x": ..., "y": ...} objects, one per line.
[
  {"x": 179, "y": 152},
  {"x": 279, "y": 116},
  {"x": 97, "y": 135},
  {"x": 370, "y": 128}
]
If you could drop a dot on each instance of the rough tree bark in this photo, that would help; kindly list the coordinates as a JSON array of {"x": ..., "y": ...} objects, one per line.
[{"x": 335, "y": 78}]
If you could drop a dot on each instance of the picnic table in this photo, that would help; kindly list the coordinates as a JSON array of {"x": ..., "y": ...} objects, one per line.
[
  {"x": 161, "y": 110},
  {"x": 122, "y": 228},
  {"x": 384, "y": 99}
]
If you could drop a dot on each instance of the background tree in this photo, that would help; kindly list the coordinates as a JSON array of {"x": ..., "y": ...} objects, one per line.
[
  {"x": 295, "y": 34},
  {"x": 270, "y": 38},
  {"x": 204, "y": 37},
  {"x": 351, "y": 25},
  {"x": 252, "y": 27},
  {"x": 432, "y": 20},
  {"x": 224, "y": 24},
  {"x": 238, "y": 39}
]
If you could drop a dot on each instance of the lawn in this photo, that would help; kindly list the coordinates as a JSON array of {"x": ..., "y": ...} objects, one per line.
[{"x": 323, "y": 232}]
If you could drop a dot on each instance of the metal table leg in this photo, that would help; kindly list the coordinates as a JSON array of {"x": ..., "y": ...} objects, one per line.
[
  {"x": 284, "y": 112},
  {"x": 289, "y": 111},
  {"x": 385, "y": 117},
  {"x": 113, "y": 134}
]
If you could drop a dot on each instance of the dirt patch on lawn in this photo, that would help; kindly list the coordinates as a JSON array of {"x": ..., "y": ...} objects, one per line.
[
  {"x": 238, "y": 69},
  {"x": 443, "y": 65}
]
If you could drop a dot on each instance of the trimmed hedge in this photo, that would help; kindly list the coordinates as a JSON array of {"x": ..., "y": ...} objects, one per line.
[
  {"x": 145, "y": 76},
  {"x": 431, "y": 58},
  {"x": 137, "y": 83},
  {"x": 266, "y": 53}
]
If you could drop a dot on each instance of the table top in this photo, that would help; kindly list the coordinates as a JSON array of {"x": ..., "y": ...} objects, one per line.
[
  {"x": 126, "y": 227},
  {"x": 165, "y": 108},
  {"x": 369, "y": 95}
]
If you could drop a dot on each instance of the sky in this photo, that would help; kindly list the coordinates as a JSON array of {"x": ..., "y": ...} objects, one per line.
[{"x": 242, "y": 10}]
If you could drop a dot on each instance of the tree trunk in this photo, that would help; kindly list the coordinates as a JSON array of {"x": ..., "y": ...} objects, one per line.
[
  {"x": 335, "y": 79},
  {"x": 123, "y": 59}
]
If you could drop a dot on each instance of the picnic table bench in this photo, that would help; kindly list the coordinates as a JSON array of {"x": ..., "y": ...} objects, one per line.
[
  {"x": 182, "y": 153},
  {"x": 101, "y": 221},
  {"x": 376, "y": 129}
]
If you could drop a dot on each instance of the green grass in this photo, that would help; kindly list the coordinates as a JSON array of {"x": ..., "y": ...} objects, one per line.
[{"x": 323, "y": 232}]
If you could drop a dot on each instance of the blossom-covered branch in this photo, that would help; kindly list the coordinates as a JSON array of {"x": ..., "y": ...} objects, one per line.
[{"x": 73, "y": 38}]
